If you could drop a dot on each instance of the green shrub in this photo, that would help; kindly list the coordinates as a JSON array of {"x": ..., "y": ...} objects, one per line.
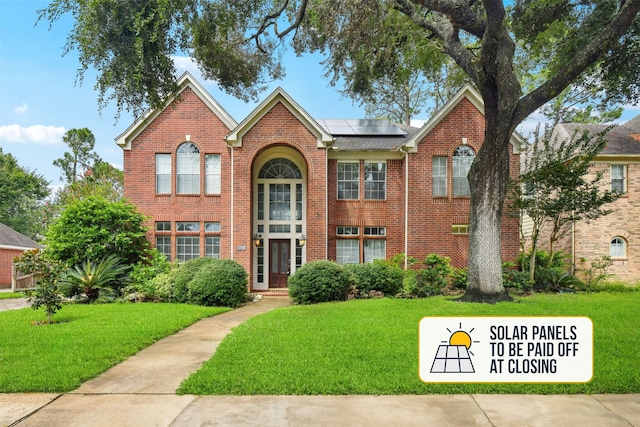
[
  {"x": 141, "y": 284},
  {"x": 431, "y": 279},
  {"x": 320, "y": 281},
  {"x": 92, "y": 279},
  {"x": 514, "y": 279},
  {"x": 221, "y": 283},
  {"x": 183, "y": 274},
  {"x": 549, "y": 278},
  {"x": 459, "y": 278},
  {"x": 379, "y": 275}
]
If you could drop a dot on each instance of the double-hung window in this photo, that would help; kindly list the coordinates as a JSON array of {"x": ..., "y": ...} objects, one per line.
[
  {"x": 619, "y": 178},
  {"x": 212, "y": 173},
  {"x": 462, "y": 158},
  {"x": 375, "y": 180},
  {"x": 348, "y": 180},
  {"x": 439, "y": 176},
  {"x": 188, "y": 169},
  {"x": 347, "y": 249},
  {"x": 163, "y": 173},
  {"x": 375, "y": 246}
]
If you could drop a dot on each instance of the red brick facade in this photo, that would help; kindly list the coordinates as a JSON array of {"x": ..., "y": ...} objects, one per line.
[
  {"x": 409, "y": 218},
  {"x": 6, "y": 262}
]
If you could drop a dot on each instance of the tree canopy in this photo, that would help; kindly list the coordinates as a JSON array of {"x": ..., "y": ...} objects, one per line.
[
  {"x": 81, "y": 157},
  {"x": 239, "y": 44},
  {"x": 22, "y": 197}
]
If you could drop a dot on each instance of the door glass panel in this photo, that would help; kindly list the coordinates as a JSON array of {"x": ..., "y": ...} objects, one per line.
[{"x": 279, "y": 202}]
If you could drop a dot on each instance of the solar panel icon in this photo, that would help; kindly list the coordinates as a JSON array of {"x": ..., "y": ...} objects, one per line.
[{"x": 452, "y": 359}]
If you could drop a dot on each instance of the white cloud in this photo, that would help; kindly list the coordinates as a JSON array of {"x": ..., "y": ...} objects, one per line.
[
  {"x": 36, "y": 134},
  {"x": 187, "y": 63},
  {"x": 21, "y": 109}
]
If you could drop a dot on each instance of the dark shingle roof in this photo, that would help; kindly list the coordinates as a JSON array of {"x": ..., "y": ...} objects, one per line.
[
  {"x": 10, "y": 237},
  {"x": 370, "y": 135},
  {"x": 621, "y": 140}
]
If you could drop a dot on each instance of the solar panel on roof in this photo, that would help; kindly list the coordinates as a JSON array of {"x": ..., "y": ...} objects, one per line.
[{"x": 361, "y": 127}]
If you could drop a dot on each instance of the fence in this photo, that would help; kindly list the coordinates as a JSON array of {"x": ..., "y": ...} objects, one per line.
[{"x": 20, "y": 282}]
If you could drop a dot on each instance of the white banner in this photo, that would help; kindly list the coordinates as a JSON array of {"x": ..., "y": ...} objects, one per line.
[{"x": 506, "y": 349}]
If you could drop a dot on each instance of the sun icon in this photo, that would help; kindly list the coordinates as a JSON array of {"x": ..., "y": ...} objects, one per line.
[{"x": 461, "y": 337}]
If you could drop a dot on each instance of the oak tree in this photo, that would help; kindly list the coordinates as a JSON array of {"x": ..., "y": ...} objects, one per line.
[{"x": 240, "y": 43}]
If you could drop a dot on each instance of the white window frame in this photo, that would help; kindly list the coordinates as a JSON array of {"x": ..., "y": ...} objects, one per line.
[
  {"x": 185, "y": 241},
  {"x": 348, "y": 178},
  {"x": 615, "y": 176},
  {"x": 188, "y": 169},
  {"x": 618, "y": 248},
  {"x": 212, "y": 173},
  {"x": 163, "y": 173},
  {"x": 347, "y": 251},
  {"x": 461, "y": 166},
  {"x": 439, "y": 176},
  {"x": 375, "y": 180}
]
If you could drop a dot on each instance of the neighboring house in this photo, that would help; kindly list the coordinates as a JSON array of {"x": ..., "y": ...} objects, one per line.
[
  {"x": 12, "y": 244},
  {"x": 617, "y": 234},
  {"x": 281, "y": 188}
]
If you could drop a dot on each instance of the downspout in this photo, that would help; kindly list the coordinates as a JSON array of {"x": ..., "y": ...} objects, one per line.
[
  {"x": 406, "y": 205},
  {"x": 232, "y": 202},
  {"x": 326, "y": 203}
]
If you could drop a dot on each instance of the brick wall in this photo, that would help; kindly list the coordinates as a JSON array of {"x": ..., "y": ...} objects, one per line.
[
  {"x": 431, "y": 218},
  {"x": 6, "y": 261},
  {"x": 593, "y": 238}
]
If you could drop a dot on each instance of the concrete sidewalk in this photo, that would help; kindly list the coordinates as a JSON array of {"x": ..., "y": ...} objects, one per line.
[{"x": 141, "y": 392}]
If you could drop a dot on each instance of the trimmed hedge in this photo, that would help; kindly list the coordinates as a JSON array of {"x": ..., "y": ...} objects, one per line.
[
  {"x": 379, "y": 275},
  {"x": 320, "y": 281},
  {"x": 221, "y": 283}
]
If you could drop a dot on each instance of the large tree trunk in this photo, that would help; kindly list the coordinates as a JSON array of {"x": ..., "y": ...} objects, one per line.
[{"x": 488, "y": 180}]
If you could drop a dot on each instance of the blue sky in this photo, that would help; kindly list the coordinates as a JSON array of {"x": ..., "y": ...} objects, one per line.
[{"x": 40, "y": 100}]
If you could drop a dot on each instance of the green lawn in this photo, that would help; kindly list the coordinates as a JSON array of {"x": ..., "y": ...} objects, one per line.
[
  {"x": 11, "y": 295},
  {"x": 85, "y": 341},
  {"x": 371, "y": 347}
]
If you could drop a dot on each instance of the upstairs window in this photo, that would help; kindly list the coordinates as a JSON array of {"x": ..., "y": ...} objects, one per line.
[
  {"x": 163, "y": 173},
  {"x": 439, "y": 176},
  {"x": 462, "y": 158},
  {"x": 619, "y": 178},
  {"x": 375, "y": 180},
  {"x": 188, "y": 169},
  {"x": 348, "y": 180},
  {"x": 212, "y": 173}
]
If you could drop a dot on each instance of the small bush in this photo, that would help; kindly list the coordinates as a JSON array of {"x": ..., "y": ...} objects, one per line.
[
  {"x": 183, "y": 274},
  {"x": 431, "y": 279},
  {"x": 221, "y": 283},
  {"x": 459, "y": 278},
  {"x": 548, "y": 278},
  {"x": 320, "y": 281},
  {"x": 143, "y": 273},
  {"x": 379, "y": 275},
  {"x": 515, "y": 280}
]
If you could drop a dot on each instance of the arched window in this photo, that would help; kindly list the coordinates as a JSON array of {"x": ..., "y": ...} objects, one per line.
[
  {"x": 280, "y": 169},
  {"x": 188, "y": 169},
  {"x": 618, "y": 248},
  {"x": 462, "y": 158}
]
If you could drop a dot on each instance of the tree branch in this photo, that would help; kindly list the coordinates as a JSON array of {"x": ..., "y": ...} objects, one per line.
[{"x": 609, "y": 36}]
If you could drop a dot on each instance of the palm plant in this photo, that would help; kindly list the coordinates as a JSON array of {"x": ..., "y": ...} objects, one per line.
[{"x": 90, "y": 278}]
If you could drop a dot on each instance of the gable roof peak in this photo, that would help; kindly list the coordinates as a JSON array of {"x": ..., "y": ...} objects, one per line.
[{"x": 185, "y": 80}]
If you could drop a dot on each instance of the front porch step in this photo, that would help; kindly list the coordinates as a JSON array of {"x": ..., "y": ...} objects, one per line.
[{"x": 284, "y": 292}]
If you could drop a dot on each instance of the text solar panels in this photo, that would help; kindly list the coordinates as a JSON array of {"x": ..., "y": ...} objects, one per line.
[
  {"x": 452, "y": 358},
  {"x": 360, "y": 127}
]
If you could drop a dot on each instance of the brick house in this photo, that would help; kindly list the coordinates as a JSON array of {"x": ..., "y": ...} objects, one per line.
[
  {"x": 617, "y": 234},
  {"x": 281, "y": 188},
  {"x": 12, "y": 244}
]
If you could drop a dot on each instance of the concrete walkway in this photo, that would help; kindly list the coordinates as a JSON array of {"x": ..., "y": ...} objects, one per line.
[{"x": 141, "y": 392}]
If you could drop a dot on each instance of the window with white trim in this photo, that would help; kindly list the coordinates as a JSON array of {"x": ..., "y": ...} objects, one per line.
[
  {"x": 188, "y": 169},
  {"x": 619, "y": 178},
  {"x": 348, "y": 180},
  {"x": 348, "y": 251},
  {"x": 439, "y": 176},
  {"x": 163, "y": 173},
  {"x": 462, "y": 158},
  {"x": 163, "y": 244},
  {"x": 618, "y": 248},
  {"x": 187, "y": 247},
  {"x": 212, "y": 174},
  {"x": 375, "y": 180},
  {"x": 375, "y": 247}
]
